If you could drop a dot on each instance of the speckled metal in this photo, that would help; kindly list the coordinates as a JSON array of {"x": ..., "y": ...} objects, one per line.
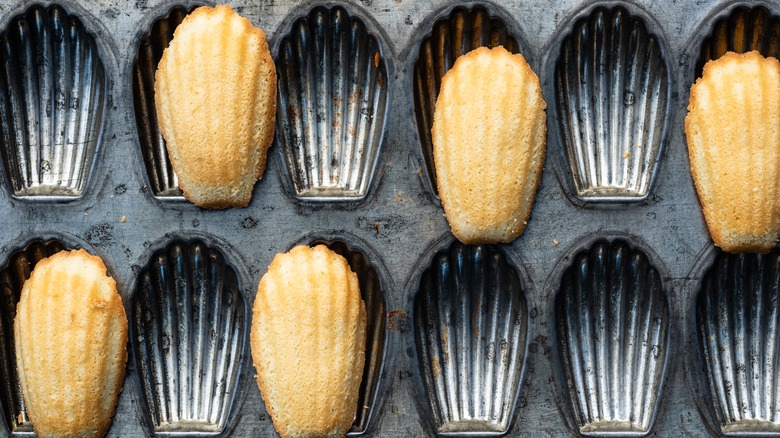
[{"x": 400, "y": 225}]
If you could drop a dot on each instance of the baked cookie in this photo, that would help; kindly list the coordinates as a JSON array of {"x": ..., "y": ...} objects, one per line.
[
  {"x": 734, "y": 148},
  {"x": 71, "y": 336},
  {"x": 215, "y": 95},
  {"x": 308, "y": 342},
  {"x": 489, "y": 136}
]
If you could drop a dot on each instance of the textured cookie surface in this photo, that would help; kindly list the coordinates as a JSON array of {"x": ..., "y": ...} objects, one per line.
[
  {"x": 71, "y": 337},
  {"x": 215, "y": 95},
  {"x": 733, "y": 135},
  {"x": 489, "y": 137},
  {"x": 308, "y": 342}
]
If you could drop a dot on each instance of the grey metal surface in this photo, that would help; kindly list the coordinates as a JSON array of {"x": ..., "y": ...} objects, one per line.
[
  {"x": 612, "y": 92},
  {"x": 399, "y": 225}
]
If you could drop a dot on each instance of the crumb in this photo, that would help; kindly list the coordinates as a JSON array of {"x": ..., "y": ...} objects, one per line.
[
  {"x": 555, "y": 243},
  {"x": 376, "y": 59},
  {"x": 419, "y": 171},
  {"x": 124, "y": 219},
  {"x": 398, "y": 196},
  {"x": 626, "y": 154}
]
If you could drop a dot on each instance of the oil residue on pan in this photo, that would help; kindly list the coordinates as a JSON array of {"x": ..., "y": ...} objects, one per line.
[{"x": 613, "y": 313}]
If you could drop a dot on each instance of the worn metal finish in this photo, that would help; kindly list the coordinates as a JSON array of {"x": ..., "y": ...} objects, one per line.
[
  {"x": 612, "y": 103},
  {"x": 52, "y": 103},
  {"x": 332, "y": 105},
  {"x": 471, "y": 330},
  {"x": 613, "y": 337},
  {"x": 188, "y": 331},
  {"x": 399, "y": 226},
  {"x": 737, "y": 318}
]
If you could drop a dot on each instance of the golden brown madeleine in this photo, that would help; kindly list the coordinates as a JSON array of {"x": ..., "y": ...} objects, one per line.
[
  {"x": 215, "y": 94},
  {"x": 308, "y": 342},
  {"x": 489, "y": 136},
  {"x": 71, "y": 337},
  {"x": 733, "y": 135}
]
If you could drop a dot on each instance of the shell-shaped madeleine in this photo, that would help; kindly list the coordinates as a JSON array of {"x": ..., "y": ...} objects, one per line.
[
  {"x": 189, "y": 327},
  {"x": 460, "y": 32},
  {"x": 162, "y": 179},
  {"x": 373, "y": 296},
  {"x": 215, "y": 95},
  {"x": 71, "y": 334},
  {"x": 612, "y": 92},
  {"x": 734, "y": 149},
  {"x": 470, "y": 325},
  {"x": 738, "y": 327},
  {"x": 612, "y": 321},
  {"x": 308, "y": 342},
  {"x": 332, "y": 103},
  {"x": 743, "y": 30},
  {"x": 489, "y": 138},
  {"x": 52, "y": 103},
  {"x": 12, "y": 277}
]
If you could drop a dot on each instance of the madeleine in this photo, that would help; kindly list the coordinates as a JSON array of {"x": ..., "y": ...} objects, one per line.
[
  {"x": 71, "y": 337},
  {"x": 489, "y": 137}
]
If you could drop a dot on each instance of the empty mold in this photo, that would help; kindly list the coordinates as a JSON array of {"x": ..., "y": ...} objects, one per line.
[
  {"x": 12, "y": 277},
  {"x": 462, "y": 31},
  {"x": 376, "y": 336},
  {"x": 612, "y": 323},
  {"x": 162, "y": 178},
  {"x": 743, "y": 30},
  {"x": 612, "y": 92},
  {"x": 189, "y": 339},
  {"x": 52, "y": 103},
  {"x": 738, "y": 325},
  {"x": 332, "y": 103},
  {"x": 470, "y": 325}
]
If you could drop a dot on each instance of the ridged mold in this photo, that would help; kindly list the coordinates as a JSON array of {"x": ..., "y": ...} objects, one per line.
[
  {"x": 12, "y": 277},
  {"x": 743, "y": 30},
  {"x": 189, "y": 339},
  {"x": 332, "y": 102},
  {"x": 462, "y": 31},
  {"x": 162, "y": 178},
  {"x": 612, "y": 322},
  {"x": 52, "y": 103},
  {"x": 612, "y": 92},
  {"x": 470, "y": 325},
  {"x": 738, "y": 327},
  {"x": 376, "y": 336}
]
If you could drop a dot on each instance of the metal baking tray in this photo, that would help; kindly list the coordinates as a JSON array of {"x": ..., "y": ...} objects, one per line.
[{"x": 613, "y": 314}]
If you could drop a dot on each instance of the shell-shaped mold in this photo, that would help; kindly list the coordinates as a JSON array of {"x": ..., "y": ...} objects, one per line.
[
  {"x": 462, "y": 31},
  {"x": 376, "y": 336},
  {"x": 52, "y": 103},
  {"x": 162, "y": 178},
  {"x": 612, "y": 323},
  {"x": 743, "y": 30},
  {"x": 189, "y": 337},
  {"x": 470, "y": 324},
  {"x": 738, "y": 327},
  {"x": 12, "y": 277},
  {"x": 332, "y": 103},
  {"x": 612, "y": 92}
]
